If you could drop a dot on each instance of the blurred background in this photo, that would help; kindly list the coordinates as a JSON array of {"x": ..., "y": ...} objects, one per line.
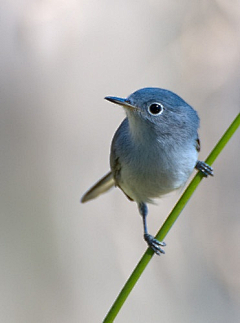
[{"x": 62, "y": 261}]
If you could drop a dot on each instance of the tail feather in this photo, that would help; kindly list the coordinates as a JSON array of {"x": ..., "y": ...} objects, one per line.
[{"x": 102, "y": 186}]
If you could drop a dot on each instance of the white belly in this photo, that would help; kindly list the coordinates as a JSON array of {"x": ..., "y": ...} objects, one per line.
[{"x": 149, "y": 177}]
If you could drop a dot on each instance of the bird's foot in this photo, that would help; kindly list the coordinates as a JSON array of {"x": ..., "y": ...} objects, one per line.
[
  {"x": 204, "y": 168},
  {"x": 154, "y": 244}
]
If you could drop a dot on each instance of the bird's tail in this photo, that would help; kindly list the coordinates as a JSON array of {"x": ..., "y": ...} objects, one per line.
[{"x": 102, "y": 186}]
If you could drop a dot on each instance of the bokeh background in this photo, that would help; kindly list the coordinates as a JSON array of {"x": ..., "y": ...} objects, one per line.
[{"x": 66, "y": 262}]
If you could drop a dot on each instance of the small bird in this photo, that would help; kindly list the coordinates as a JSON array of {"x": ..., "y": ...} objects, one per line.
[{"x": 153, "y": 152}]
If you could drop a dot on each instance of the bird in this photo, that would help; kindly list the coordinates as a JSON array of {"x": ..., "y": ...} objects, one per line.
[{"x": 153, "y": 152}]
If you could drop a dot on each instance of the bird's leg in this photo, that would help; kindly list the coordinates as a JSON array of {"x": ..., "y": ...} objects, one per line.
[
  {"x": 204, "y": 168},
  {"x": 151, "y": 241}
]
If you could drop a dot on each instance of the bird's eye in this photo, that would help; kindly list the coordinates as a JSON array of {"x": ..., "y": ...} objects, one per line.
[{"x": 155, "y": 109}]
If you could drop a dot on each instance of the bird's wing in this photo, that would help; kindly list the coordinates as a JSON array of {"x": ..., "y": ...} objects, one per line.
[
  {"x": 115, "y": 162},
  {"x": 102, "y": 186},
  {"x": 198, "y": 144}
]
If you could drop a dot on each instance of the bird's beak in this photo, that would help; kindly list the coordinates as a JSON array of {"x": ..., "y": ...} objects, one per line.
[{"x": 123, "y": 102}]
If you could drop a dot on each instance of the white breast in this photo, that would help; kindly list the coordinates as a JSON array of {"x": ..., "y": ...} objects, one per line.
[{"x": 151, "y": 174}]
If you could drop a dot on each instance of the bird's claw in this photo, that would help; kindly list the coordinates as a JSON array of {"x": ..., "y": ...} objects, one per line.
[
  {"x": 204, "y": 168},
  {"x": 154, "y": 244}
]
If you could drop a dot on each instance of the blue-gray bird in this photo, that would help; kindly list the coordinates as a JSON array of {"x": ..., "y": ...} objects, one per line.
[{"x": 153, "y": 152}]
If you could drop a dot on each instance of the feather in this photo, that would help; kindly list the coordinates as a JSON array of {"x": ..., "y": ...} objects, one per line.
[{"x": 102, "y": 186}]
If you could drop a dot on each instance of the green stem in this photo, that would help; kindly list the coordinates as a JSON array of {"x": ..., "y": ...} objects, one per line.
[{"x": 169, "y": 223}]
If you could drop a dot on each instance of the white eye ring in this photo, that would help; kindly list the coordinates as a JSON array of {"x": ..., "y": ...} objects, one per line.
[{"x": 155, "y": 109}]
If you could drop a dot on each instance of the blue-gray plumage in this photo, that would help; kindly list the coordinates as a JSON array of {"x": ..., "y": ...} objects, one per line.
[{"x": 154, "y": 150}]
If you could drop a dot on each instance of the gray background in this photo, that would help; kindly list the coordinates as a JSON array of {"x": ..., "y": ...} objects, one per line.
[{"x": 66, "y": 262}]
